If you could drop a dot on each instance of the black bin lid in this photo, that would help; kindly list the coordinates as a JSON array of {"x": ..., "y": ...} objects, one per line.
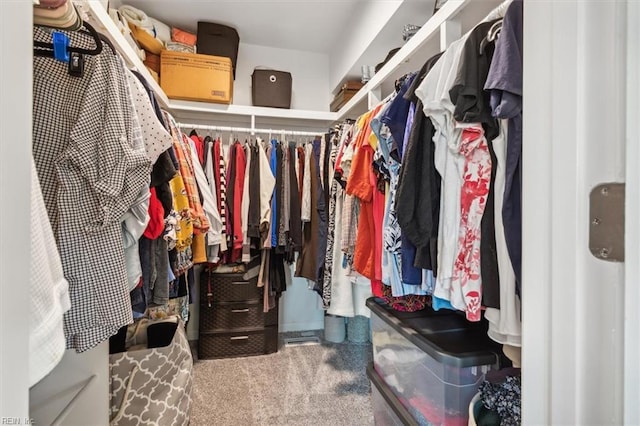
[{"x": 444, "y": 335}]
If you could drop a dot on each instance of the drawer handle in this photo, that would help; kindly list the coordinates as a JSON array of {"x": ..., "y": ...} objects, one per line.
[
  {"x": 240, "y": 282},
  {"x": 238, "y": 311},
  {"x": 240, "y": 338}
]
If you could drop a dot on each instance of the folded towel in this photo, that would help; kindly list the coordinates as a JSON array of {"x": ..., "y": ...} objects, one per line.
[
  {"x": 138, "y": 18},
  {"x": 163, "y": 31},
  {"x": 180, "y": 47}
]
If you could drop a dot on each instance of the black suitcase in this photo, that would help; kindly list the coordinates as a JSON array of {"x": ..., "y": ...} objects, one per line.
[{"x": 218, "y": 40}]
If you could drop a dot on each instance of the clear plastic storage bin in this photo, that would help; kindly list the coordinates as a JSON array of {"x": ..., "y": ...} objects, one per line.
[
  {"x": 387, "y": 409},
  {"x": 433, "y": 362}
]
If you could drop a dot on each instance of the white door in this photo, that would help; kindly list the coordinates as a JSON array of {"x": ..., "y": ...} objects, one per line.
[
  {"x": 15, "y": 159},
  {"x": 580, "y": 356}
]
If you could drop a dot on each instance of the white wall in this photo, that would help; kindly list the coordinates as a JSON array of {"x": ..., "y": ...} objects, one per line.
[
  {"x": 310, "y": 75},
  {"x": 54, "y": 393},
  {"x": 15, "y": 152},
  {"x": 300, "y": 308},
  {"x": 356, "y": 37}
]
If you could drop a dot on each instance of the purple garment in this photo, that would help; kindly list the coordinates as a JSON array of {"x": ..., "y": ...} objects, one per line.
[
  {"x": 505, "y": 84},
  {"x": 410, "y": 274},
  {"x": 395, "y": 117},
  {"x": 407, "y": 129}
]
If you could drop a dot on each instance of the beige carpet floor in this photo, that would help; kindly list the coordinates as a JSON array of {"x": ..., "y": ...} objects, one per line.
[{"x": 312, "y": 385}]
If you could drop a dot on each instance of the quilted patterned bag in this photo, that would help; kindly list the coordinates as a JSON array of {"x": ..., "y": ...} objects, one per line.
[{"x": 152, "y": 386}]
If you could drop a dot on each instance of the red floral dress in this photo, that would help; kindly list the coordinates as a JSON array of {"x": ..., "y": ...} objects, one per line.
[{"x": 473, "y": 198}]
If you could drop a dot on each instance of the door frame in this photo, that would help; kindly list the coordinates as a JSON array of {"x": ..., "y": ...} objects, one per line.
[
  {"x": 632, "y": 225},
  {"x": 16, "y": 83},
  {"x": 576, "y": 337}
]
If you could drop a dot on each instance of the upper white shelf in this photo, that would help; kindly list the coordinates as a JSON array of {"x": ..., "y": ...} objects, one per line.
[
  {"x": 374, "y": 31},
  {"x": 432, "y": 38},
  {"x": 244, "y": 110},
  {"x": 454, "y": 18},
  {"x": 103, "y": 23}
]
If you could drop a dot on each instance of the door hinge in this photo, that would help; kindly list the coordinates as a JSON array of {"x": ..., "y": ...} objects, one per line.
[{"x": 606, "y": 222}]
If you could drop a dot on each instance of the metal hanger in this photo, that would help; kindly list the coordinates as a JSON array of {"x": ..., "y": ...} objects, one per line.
[{"x": 492, "y": 35}]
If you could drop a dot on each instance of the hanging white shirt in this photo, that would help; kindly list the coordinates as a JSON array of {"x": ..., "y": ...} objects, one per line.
[
  {"x": 504, "y": 323},
  {"x": 267, "y": 184},
  {"x": 156, "y": 138},
  {"x": 434, "y": 94},
  {"x": 48, "y": 291}
]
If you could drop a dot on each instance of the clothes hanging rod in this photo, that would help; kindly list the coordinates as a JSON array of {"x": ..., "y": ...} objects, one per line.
[{"x": 249, "y": 130}]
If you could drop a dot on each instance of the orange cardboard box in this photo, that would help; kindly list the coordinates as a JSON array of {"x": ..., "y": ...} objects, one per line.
[{"x": 194, "y": 77}]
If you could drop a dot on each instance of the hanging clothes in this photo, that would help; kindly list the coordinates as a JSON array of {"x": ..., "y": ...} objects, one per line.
[
  {"x": 504, "y": 81},
  {"x": 392, "y": 239},
  {"x": 294, "y": 242},
  {"x": 434, "y": 94},
  {"x": 331, "y": 226},
  {"x": 418, "y": 165},
  {"x": 267, "y": 183},
  {"x": 209, "y": 201},
  {"x": 307, "y": 265},
  {"x": 244, "y": 208},
  {"x": 360, "y": 186},
  {"x": 235, "y": 176},
  {"x": 322, "y": 206},
  {"x": 504, "y": 323},
  {"x": 253, "y": 218},
  {"x": 183, "y": 226},
  {"x": 472, "y": 106},
  {"x": 89, "y": 179}
]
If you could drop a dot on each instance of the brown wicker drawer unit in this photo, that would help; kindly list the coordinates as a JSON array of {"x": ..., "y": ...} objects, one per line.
[
  {"x": 229, "y": 316},
  {"x": 232, "y": 321},
  {"x": 228, "y": 288},
  {"x": 230, "y": 344}
]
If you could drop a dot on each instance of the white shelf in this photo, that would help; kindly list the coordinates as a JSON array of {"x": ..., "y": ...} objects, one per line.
[
  {"x": 424, "y": 44},
  {"x": 244, "y": 110},
  {"x": 377, "y": 38},
  {"x": 104, "y": 24}
]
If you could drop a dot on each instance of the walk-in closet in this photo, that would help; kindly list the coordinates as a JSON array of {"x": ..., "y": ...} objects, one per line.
[{"x": 320, "y": 212}]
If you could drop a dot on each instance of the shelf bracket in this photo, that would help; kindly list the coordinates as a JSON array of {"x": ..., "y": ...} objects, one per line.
[
  {"x": 374, "y": 97},
  {"x": 450, "y": 31}
]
